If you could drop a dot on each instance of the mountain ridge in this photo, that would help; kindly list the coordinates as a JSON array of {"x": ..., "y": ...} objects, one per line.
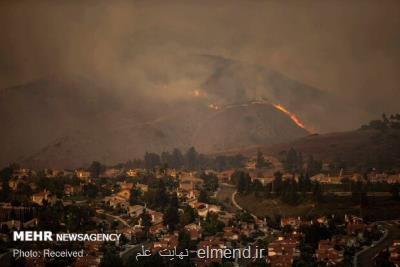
[{"x": 128, "y": 123}]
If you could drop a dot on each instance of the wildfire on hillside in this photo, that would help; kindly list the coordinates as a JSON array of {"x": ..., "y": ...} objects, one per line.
[
  {"x": 294, "y": 118},
  {"x": 196, "y": 93}
]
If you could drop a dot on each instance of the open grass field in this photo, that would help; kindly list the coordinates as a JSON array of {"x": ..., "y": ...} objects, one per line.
[{"x": 270, "y": 207}]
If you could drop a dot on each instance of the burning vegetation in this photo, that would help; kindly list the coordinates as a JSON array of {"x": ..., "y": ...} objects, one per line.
[
  {"x": 294, "y": 118},
  {"x": 213, "y": 106},
  {"x": 196, "y": 93}
]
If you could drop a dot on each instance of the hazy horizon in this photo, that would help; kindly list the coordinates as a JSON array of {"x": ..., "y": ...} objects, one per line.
[
  {"x": 350, "y": 49},
  {"x": 169, "y": 68}
]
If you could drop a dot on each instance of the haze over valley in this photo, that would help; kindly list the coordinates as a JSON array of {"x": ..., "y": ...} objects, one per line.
[{"x": 82, "y": 82}]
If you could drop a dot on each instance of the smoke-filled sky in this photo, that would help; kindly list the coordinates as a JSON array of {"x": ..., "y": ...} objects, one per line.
[{"x": 349, "y": 48}]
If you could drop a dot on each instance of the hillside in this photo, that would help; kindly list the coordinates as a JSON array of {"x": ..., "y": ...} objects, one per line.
[
  {"x": 58, "y": 122},
  {"x": 361, "y": 147},
  {"x": 245, "y": 125},
  {"x": 53, "y": 125},
  {"x": 231, "y": 128},
  {"x": 233, "y": 81}
]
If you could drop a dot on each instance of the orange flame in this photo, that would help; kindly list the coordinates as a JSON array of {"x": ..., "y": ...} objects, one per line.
[
  {"x": 291, "y": 115},
  {"x": 196, "y": 93},
  {"x": 213, "y": 106}
]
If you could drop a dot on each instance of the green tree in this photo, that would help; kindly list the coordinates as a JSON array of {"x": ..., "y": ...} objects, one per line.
[
  {"x": 210, "y": 181},
  {"x": 151, "y": 160},
  {"x": 291, "y": 161},
  {"x": 313, "y": 166},
  {"x": 145, "y": 221},
  {"x": 24, "y": 189},
  {"x": 289, "y": 194},
  {"x": 191, "y": 159},
  {"x": 257, "y": 186},
  {"x": 177, "y": 159},
  {"x": 260, "y": 161},
  {"x": 135, "y": 196},
  {"x": 203, "y": 197},
  {"x": 166, "y": 159},
  {"x": 171, "y": 215},
  {"x": 96, "y": 168},
  {"x": 244, "y": 183},
  {"x": 212, "y": 225},
  {"x": 5, "y": 176},
  {"x": 5, "y": 191},
  {"x": 161, "y": 197},
  {"x": 171, "y": 218},
  {"x": 277, "y": 183},
  {"x": 90, "y": 190},
  {"x": 188, "y": 216},
  {"x": 183, "y": 240},
  {"x": 317, "y": 192}
]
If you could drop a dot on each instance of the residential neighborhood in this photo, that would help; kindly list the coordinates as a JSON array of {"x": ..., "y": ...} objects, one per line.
[{"x": 163, "y": 208}]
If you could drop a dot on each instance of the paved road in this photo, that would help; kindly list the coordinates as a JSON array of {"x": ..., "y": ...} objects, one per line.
[{"x": 366, "y": 258}]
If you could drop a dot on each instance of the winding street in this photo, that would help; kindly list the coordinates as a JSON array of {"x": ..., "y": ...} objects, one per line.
[
  {"x": 228, "y": 191},
  {"x": 366, "y": 257}
]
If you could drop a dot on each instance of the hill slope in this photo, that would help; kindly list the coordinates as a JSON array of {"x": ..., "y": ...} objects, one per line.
[
  {"x": 66, "y": 123},
  {"x": 372, "y": 148},
  {"x": 233, "y": 81},
  {"x": 228, "y": 129}
]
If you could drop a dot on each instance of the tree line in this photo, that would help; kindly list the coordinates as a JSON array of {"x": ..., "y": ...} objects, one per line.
[
  {"x": 191, "y": 159},
  {"x": 295, "y": 162},
  {"x": 289, "y": 190},
  {"x": 386, "y": 122}
]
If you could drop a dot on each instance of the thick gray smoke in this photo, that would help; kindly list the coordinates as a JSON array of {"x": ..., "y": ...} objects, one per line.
[{"x": 348, "y": 48}]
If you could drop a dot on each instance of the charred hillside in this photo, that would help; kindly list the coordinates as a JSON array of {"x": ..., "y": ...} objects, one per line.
[
  {"x": 67, "y": 122},
  {"x": 53, "y": 124}
]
